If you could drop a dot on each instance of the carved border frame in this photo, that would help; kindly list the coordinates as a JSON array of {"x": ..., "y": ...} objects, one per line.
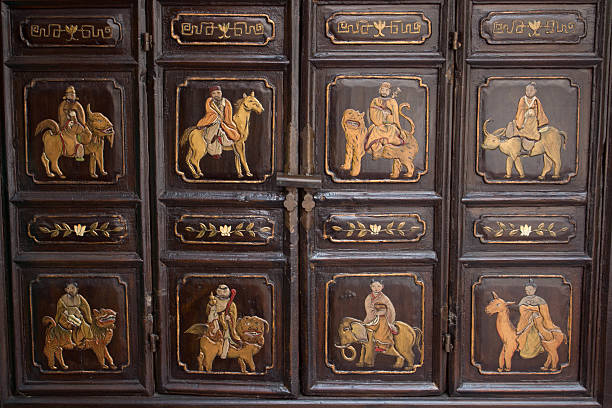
[
  {"x": 411, "y": 215},
  {"x": 390, "y": 274},
  {"x": 119, "y": 38},
  {"x": 478, "y": 136},
  {"x": 273, "y": 131},
  {"x": 483, "y": 240},
  {"x": 118, "y": 240},
  {"x": 333, "y": 175},
  {"x": 569, "y": 327},
  {"x": 123, "y": 129},
  {"x": 127, "y": 323},
  {"x": 185, "y": 216},
  {"x": 182, "y": 283},
  {"x": 266, "y": 16},
  {"x": 333, "y": 39}
]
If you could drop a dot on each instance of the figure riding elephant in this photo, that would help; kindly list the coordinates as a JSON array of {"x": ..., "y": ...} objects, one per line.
[{"x": 351, "y": 331}]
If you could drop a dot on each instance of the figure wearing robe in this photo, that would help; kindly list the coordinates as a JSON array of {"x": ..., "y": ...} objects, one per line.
[
  {"x": 72, "y": 124},
  {"x": 219, "y": 127},
  {"x": 535, "y": 325},
  {"x": 380, "y": 318},
  {"x": 75, "y": 311},
  {"x": 385, "y": 128}
]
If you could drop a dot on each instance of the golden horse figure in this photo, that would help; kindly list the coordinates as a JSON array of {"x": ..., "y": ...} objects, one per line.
[
  {"x": 508, "y": 334},
  {"x": 198, "y": 145},
  {"x": 98, "y": 128}
]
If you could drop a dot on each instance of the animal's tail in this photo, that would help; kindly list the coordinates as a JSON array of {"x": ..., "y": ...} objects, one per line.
[
  {"x": 412, "y": 127},
  {"x": 562, "y": 133},
  {"x": 47, "y": 124},
  {"x": 49, "y": 323},
  {"x": 419, "y": 340},
  {"x": 185, "y": 136}
]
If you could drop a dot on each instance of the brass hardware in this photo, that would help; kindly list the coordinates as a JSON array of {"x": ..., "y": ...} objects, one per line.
[
  {"x": 147, "y": 41},
  {"x": 448, "y": 343},
  {"x": 308, "y": 142},
  {"x": 298, "y": 181},
  {"x": 455, "y": 43},
  {"x": 291, "y": 205},
  {"x": 308, "y": 205}
]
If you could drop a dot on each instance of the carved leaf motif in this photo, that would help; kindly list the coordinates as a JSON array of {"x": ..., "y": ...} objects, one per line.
[
  {"x": 57, "y": 226},
  {"x": 66, "y": 233},
  {"x": 499, "y": 233},
  {"x": 252, "y": 234},
  {"x": 93, "y": 232},
  {"x": 336, "y": 228},
  {"x": 401, "y": 232},
  {"x": 117, "y": 229},
  {"x": 401, "y": 225},
  {"x": 514, "y": 232},
  {"x": 250, "y": 226},
  {"x": 54, "y": 233},
  {"x": 541, "y": 225},
  {"x": 540, "y": 233},
  {"x": 265, "y": 229},
  {"x": 188, "y": 229},
  {"x": 200, "y": 234},
  {"x": 94, "y": 225},
  {"x": 240, "y": 234},
  {"x": 66, "y": 226},
  {"x": 390, "y": 225},
  {"x": 351, "y": 225},
  {"x": 239, "y": 226},
  {"x": 414, "y": 228},
  {"x": 104, "y": 226},
  {"x": 212, "y": 234},
  {"x": 488, "y": 229},
  {"x": 564, "y": 229},
  {"x": 44, "y": 229},
  {"x": 361, "y": 226},
  {"x": 349, "y": 233},
  {"x": 552, "y": 233},
  {"x": 550, "y": 227},
  {"x": 362, "y": 233},
  {"x": 106, "y": 234}
]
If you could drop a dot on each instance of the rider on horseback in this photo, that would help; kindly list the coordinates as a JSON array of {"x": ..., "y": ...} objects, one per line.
[
  {"x": 218, "y": 126},
  {"x": 72, "y": 123}
]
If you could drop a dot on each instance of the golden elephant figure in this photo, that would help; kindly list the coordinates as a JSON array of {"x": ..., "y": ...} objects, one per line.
[
  {"x": 351, "y": 331},
  {"x": 250, "y": 329}
]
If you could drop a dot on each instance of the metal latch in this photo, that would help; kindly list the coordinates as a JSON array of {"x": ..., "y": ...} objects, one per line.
[
  {"x": 298, "y": 181},
  {"x": 455, "y": 43},
  {"x": 448, "y": 343},
  {"x": 147, "y": 41}
]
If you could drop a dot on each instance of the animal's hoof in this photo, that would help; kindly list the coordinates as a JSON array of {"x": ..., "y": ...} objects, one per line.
[
  {"x": 53, "y": 367},
  {"x": 196, "y": 176},
  {"x": 65, "y": 367},
  {"x": 50, "y": 175},
  {"x": 409, "y": 368},
  {"x": 540, "y": 177},
  {"x": 393, "y": 175},
  {"x": 359, "y": 364},
  {"x": 556, "y": 177},
  {"x": 94, "y": 175},
  {"x": 500, "y": 369},
  {"x": 240, "y": 175},
  {"x": 114, "y": 367},
  {"x": 506, "y": 369},
  {"x": 62, "y": 176},
  {"x": 103, "y": 173},
  {"x": 249, "y": 174},
  {"x": 507, "y": 176},
  {"x": 343, "y": 167},
  {"x": 407, "y": 175},
  {"x": 104, "y": 366},
  {"x": 200, "y": 174}
]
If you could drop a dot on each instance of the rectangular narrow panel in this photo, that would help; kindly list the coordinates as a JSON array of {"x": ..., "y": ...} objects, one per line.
[
  {"x": 376, "y": 28},
  {"x": 219, "y": 29},
  {"x": 78, "y": 200},
  {"x": 225, "y": 117},
  {"x": 531, "y": 229},
  {"x": 46, "y": 32},
  {"x": 545, "y": 29}
]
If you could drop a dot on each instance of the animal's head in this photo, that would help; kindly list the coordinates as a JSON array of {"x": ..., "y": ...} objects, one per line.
[
  {"x": 491, "y": 140},
  {"x": 353, "y": 119},
  {"x": 251, "y": 103},
  {"x": 105, "y": 318},
  {"x": 251, "y": 329},
  {"x": 497, "y": 305},
  {"x": 100, "y": 125},
  {"x": 351, "y": 330}
]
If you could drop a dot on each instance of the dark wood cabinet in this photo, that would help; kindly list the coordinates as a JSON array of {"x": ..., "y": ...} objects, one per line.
[{"x": 305, "y": 203}]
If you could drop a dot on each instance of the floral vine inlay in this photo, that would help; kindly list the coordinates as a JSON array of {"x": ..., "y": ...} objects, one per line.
[
  {"x": 80, "y": 230},
  {"x": 525, "y": 230},
  {"x": 226, "y": 230},
  {"x": 360, "y": 230}
]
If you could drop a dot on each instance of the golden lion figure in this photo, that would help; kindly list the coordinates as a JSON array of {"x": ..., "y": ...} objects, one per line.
[
  {"x": 58, "y": 336},
  {"x": 99, "y": 127},
  {"x": 250, "y": 329},
  {"x": 356, "y": 136}
]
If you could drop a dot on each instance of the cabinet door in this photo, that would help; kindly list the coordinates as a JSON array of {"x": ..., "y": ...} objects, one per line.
[
  {"x": 223, "y": 109},
  {"x": 76, "y": 147},
  {"x": 374, "y": 259},
  {"x": 527, "y": 179}
]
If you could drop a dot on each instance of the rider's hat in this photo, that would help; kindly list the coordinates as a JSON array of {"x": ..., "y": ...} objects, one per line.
[
  {"x": 385, "y": 85},
  {"x": 214, "y": 88},
  {"x": 531, "y": 283},
  {"x": 70, "y": 92}
]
